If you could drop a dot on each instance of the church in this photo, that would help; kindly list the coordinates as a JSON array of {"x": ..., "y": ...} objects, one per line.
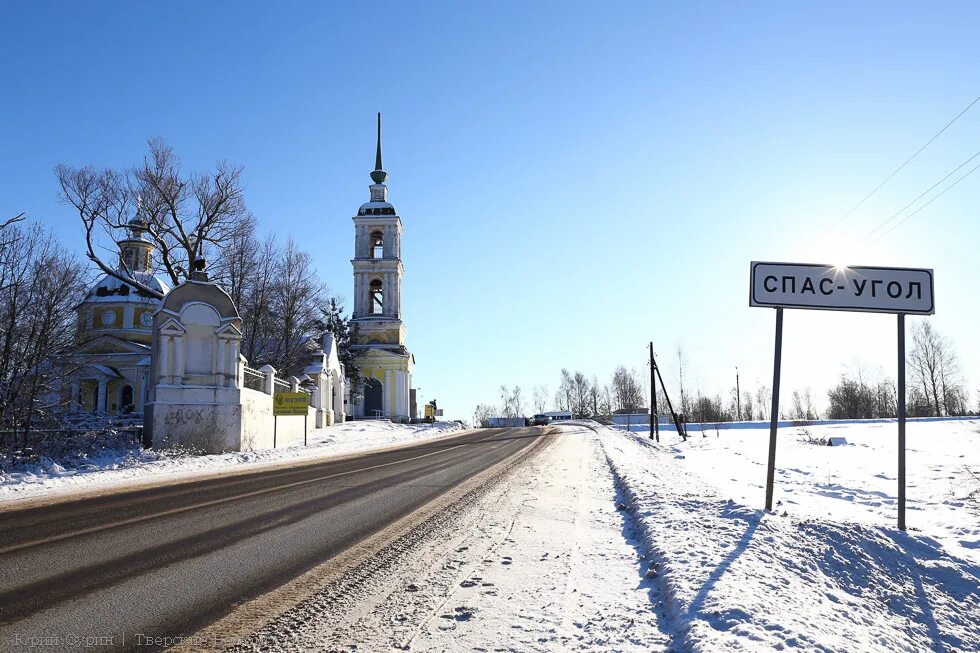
[
  {"x": 386, "y": 363},
  {"x": 110, "y": 361}
]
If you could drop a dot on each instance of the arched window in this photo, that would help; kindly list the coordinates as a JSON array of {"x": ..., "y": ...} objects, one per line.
[
  {"x": 377, "y": 297},
  {"x": 377, "y": 244},
  {"x": 126, "y": 399}
]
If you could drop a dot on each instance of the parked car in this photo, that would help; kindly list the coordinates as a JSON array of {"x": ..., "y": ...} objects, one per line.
[{"x": 540, "y": 420}]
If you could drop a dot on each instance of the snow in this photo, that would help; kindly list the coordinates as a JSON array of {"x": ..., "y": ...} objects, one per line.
[
  {"x": 126, "y": 466},
  {"x": 856, "y": 482},
  {"x": 737, "y": 578},
  {"x": 542, "y": 561}
]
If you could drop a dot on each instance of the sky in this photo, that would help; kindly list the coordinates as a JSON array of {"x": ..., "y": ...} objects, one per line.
[{"x": 575, "y": 179}]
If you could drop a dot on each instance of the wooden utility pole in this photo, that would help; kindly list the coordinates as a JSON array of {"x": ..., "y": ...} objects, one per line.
[
  {"x": 738, "y": 395},
  {"x": 654, "y": 417}
]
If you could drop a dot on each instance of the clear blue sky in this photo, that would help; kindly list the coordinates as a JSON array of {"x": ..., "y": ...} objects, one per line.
[{"x": 575, "y": 179}]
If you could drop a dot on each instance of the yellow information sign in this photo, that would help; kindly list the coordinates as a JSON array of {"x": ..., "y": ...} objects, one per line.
[{"x": 290, "y": 403}]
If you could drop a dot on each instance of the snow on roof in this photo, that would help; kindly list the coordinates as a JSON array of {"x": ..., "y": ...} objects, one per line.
[
  {"x": 109, "y": 289},
  {"x": 108, "y": 371}
]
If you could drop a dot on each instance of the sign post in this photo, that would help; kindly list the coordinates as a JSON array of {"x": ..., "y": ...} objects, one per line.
[
  {"x": 289, "y": 403},
  {"x": 900, "y": 291},
  {"x": 777, "y": 365},
  {"x": 901, "y": 421}
]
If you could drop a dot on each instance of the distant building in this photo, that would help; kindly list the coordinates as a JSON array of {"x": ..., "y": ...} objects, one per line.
[
  {"x": 558, "y": 415},
  {"x": 380, "y": 348},
  {"x": 110, "y": 361}
]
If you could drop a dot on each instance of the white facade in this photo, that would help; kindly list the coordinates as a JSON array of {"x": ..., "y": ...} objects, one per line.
[
  {"x": 205, "y": 398},
  {"x": 385, "y": 362}
]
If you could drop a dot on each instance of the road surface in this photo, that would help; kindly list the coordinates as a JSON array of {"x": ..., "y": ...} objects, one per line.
[{"x": 119, "y": 570}]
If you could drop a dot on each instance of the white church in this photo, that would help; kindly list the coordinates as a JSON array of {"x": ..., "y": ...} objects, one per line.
[
  {"x": 176, "y": 361},
  {"x": 386, "y": 364}
]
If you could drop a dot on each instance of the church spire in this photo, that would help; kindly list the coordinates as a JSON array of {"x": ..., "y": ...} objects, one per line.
[{"x": 379, "y": 175}]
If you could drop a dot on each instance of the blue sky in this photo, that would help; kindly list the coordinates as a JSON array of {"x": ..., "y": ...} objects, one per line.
[{"x": 575, "y": 179}]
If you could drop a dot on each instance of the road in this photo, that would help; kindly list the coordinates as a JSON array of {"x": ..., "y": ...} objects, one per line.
[{"x": 168, "y": 560}]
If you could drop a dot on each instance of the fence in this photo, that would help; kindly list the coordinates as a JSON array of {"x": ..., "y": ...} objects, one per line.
[
  {"x": 19, "y": 446},
  {"x": 254, "y": 379}
]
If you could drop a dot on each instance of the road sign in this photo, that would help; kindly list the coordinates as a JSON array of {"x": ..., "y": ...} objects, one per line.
[
  {"x": 842, "y": 288},
  {"x": 290, "y": 403},
  {"x": 903, "y": 291}
]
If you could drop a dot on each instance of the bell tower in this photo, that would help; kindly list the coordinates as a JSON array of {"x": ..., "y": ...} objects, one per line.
[{"x": 377, "y": 312}]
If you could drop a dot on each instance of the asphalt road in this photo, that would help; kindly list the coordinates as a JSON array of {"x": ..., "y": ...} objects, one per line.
[{"x": 168, "y": 560}]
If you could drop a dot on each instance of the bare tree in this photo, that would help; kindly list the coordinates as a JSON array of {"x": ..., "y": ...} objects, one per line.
[
  {"x": 482, "y": 414},
  {"x": 540, "y": 398},
  {"x": 935, "y": 370},
  {"x": 627, "y": 390},
  {"x": 296, "y": 303},
  {"x": 40, "y": 283},
  {"x": 580, "y": 395},
  {"x": 188, "y": 217},
  {"x": 512, "y": 401},
  {"x": 566, "y": 389},
  {"x": 681, "y": 364},
  {"x": 763, "y": 396}
]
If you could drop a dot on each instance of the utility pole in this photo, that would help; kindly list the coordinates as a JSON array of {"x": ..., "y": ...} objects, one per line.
[
  {"x": 738, "y": 395},
  {"x": 654, "y": 416}
]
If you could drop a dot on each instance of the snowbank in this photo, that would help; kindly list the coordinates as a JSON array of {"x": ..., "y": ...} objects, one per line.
[
  {"x": 857, "y": 482},
  {"x": 131, "y": 465},
  {"x": 736, "y": 578}
]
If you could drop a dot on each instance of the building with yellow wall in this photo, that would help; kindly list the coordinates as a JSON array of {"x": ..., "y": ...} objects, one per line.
[{"x": 110, "y": 361}]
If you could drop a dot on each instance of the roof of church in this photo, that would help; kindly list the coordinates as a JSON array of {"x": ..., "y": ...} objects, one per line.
[{"x": 109, "y": 289}]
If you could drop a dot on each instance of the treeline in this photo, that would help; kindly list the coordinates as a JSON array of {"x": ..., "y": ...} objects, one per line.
[
  {"x": 583, "y": 396},
  {"x": 934, "y": 386},
  {"x": 40, "y": 283}
]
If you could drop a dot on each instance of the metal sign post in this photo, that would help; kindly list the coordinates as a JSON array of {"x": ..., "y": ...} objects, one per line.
[
  {"x": 289, "y": 403},
  {"x": 900, "y": 291},
  {"x": 777, "y": 364},
  {"x": 901, "y": 421}
]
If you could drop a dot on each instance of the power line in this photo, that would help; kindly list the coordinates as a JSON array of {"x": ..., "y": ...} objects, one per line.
[
  {"x": 898, "y": 169},
  {"x": 919, "y": 197},
  {"x": 933, "y": 199}
]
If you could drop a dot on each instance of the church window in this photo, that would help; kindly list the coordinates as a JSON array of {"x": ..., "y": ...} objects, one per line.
[
  {"x": 126, "y": 398},
  {"x": 377, "y": 297},
  {"x": 377, "y": 245}
]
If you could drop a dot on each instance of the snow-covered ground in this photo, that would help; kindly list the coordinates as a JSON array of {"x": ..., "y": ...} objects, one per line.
[
  {"x": 827, "y": 572},
  {"x": 856, "y": 482},
  {"x": 115, "y": 467},
  {"x": 543, "y": 561}
]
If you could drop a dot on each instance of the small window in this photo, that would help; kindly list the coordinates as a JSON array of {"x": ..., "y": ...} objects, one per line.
[
  {"x": 377, "y": 297},
  {"x": 377, "y": 245}
]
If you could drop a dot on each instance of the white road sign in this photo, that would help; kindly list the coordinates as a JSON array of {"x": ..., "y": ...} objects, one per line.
[{"x": 840, "y": 288}]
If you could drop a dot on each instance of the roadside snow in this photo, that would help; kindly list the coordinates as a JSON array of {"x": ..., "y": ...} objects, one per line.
[
  {"x": 116, "y": 467},
  {"x": 854, "y": 482},
  {"x": 736, "y": 578}
]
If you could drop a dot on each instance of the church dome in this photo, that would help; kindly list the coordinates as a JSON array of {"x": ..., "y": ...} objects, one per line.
[
  {"x": 113, "y": 307},
  {"x": 376, "y": 208}
]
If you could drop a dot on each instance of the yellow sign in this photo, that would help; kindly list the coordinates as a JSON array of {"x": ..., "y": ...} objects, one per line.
[
  {"x": 290, "y": 403},
  {"x": 430, "y": 411}
]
